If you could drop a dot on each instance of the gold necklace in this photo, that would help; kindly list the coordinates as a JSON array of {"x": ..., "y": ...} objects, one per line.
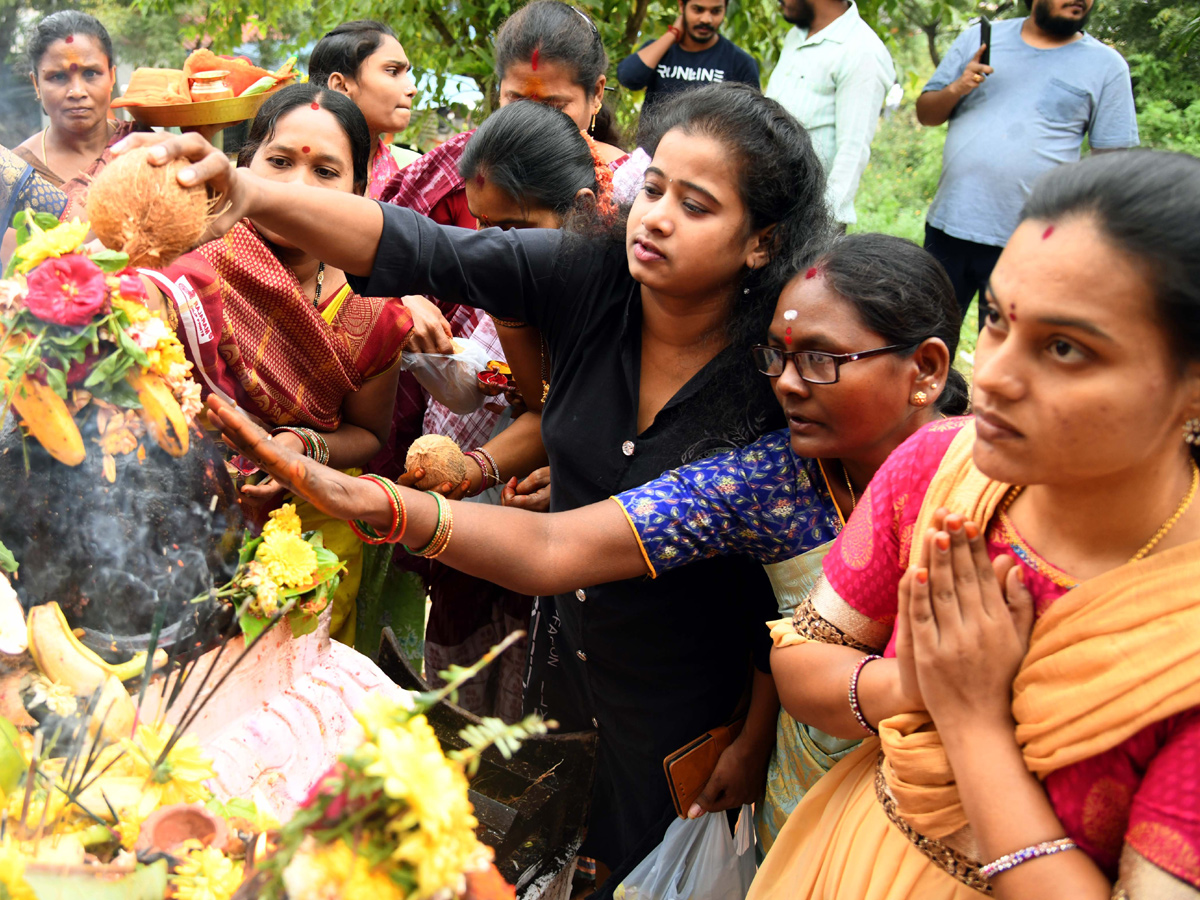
[
  {"x": 829, "y": 487},
  {"x": 320, "y": 282},
  {"x": 1163, "y": 529},
  {"x": 849, "y": 486}
]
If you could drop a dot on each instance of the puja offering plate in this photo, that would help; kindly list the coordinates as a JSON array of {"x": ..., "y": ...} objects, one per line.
[{"x": 205, "y": 112}]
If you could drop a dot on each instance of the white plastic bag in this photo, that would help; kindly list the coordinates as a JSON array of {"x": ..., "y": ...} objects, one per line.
[
  {"x": 450, "y": 379},
  {"x": 697, "y": 860}
]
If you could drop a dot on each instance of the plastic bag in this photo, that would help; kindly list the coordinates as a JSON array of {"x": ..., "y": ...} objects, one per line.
[
  {"x": 450, "y": 379},
  {"x": 697, "y": 860}
]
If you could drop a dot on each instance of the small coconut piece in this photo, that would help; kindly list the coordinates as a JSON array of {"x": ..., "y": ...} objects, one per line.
[
  {"x": 143, "y": 210},
  {"x": 441, "y": 459},
  {"x": 14, "y": 635}
]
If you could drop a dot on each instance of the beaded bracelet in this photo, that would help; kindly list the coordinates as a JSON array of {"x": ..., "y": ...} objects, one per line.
[
  {"x": 441, "y": 531},
  {"x": 508, "y": 323},
  {"x": 483, "y": 468},
  {"x": 854, "y": 705},
  {"x": 369, "y": 535},
  {"x": 313, "y": 442},
  {"x": 495, "y": 466},
  {"x": 1011, "y": 860}
]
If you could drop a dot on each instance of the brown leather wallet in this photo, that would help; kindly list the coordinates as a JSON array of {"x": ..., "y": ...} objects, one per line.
[{"x": 689, "y": 768}]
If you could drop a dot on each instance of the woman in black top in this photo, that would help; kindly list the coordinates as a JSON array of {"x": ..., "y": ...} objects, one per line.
[{"x": 649, "y": 340}]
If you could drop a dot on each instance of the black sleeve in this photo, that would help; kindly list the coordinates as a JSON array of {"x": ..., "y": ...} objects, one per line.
[
  {"x": 748, "y": 69},
  {"x": 512, "y": 274},
  {"x": 633, "y": 73}
]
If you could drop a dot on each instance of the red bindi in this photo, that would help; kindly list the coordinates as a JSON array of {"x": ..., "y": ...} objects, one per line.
[
  {"x": 315, "y": 105},
  {"x": 1049, "y": 231},
  {"x": 533, "y": 60},
  {"x": 811, "y": 273},
  {"x": 787, "y": 340},
  {"x": 1012, "y": 313},
  {"x": 69, "y": 39},
  {"x": 303, "y": 149},
  {"x": 479, "y": 180},
  {"x": 789, "y": 331},
  {"x": 74, "y": 67}
]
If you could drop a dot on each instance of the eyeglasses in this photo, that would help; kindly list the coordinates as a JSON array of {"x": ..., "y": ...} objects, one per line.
[{"x": 813, "y": 366}]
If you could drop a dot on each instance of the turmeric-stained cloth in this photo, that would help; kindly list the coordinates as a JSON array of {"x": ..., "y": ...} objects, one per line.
[{"x": 1115, "y": 744}]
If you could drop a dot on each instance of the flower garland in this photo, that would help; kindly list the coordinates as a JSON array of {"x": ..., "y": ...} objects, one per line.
[
  {"x": 606, "y": 204},
  {"x": 77, "y": 339}
]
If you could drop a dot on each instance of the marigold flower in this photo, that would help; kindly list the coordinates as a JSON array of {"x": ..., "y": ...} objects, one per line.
[
  {"x": 180, "y": 777},
  {"x": 335, "y": 872},
  {"x": 206, "y": 874}
]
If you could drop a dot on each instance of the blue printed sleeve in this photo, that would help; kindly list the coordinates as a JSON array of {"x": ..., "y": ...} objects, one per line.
[{"x": 761, "y": 501}]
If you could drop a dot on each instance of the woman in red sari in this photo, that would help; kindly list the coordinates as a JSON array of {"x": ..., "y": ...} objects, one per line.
[
  {"x": 1024, "y": 585},
  {"x": 73, "y": 71},
  {"x": 281, "y": 333}
]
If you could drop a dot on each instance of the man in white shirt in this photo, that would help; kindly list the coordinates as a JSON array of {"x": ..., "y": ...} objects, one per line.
[{"x": 832, "y": 75}]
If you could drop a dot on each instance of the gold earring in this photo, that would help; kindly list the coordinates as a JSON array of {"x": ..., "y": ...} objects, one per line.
[
  {"x": 592, "y": 127},
  {"x": 1191, "y": 432},
  {"x": 920, "y": 397}
]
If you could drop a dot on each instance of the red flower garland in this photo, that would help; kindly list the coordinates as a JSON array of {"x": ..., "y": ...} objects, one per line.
[{"x": 606, "y": 205}]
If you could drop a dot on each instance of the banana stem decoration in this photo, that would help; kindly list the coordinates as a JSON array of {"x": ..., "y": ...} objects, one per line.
[
  {"x": 44, "y": 413},
  {"x": 160, "y": 411}
]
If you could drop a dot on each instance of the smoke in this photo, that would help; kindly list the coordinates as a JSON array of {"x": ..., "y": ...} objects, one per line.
[{"x": 113, "y": 554}]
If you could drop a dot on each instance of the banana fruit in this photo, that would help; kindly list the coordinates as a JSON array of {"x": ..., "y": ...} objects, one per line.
[
  {"x": 160, "y": 411},
  {"x": 45, "y": 415},
  {"x": 64, "y": 660}
]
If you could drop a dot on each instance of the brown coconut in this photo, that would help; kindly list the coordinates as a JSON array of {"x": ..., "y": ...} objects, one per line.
[
  {"x": 441, "y": 459},
  {"x": 143, "y": 210}
]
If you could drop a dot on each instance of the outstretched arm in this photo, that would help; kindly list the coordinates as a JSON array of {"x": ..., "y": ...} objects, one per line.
[{"x": 533, "y": 553}]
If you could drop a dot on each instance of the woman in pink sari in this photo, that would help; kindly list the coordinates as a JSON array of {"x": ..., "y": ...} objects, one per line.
[{"x": 1024, "y": 588}]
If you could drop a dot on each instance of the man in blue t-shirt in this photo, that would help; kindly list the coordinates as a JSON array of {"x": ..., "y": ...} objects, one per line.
[
  {"x": 690, "y": 53},
  {"x": 1048, "y": 85}
]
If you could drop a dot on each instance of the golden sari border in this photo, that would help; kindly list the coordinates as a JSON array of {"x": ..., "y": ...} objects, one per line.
[{"x": 949, "y": 860}]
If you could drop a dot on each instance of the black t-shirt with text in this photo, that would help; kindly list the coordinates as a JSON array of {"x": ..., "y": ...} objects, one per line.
[{"x": 681, "y": 69}]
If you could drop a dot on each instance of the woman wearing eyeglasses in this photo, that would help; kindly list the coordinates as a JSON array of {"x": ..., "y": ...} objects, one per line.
[{"x": 858, "y": 354}]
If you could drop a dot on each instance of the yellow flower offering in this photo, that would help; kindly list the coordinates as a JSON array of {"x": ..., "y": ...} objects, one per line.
[
  {"x": 335, "y": 872},
  {"x": 180, "y": 777},
  {"x": 43, "y": 245},
  {"x": 13, "y": 885},
  {"x": 289, "y": 560},
  {"x": 206, "y": 874}
]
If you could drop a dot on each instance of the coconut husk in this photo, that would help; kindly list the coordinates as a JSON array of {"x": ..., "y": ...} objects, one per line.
[
  {"x": 441, "y": 459},
  {"x": 144, "y": 211}
]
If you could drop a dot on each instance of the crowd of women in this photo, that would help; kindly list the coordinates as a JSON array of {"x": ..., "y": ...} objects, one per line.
[{"x": 739, "y": 471}]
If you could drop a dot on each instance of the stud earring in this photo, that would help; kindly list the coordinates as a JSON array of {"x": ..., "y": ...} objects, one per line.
[
  {"x": 1191, "y": 432},
  {"x": 920, "y": 397},
  {"x": 933, "y": 387}
]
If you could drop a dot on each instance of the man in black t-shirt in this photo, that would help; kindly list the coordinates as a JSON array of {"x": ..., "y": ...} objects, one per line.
[{"x": 690, "y": 53}]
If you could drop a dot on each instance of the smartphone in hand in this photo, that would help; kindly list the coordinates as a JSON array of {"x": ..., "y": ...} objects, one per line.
[{"x": 985, "y": 40}]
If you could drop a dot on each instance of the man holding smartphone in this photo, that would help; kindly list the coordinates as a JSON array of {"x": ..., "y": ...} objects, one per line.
[
  {"x": 691, "y": 52},
  {"x": 1048, "y": 85}
]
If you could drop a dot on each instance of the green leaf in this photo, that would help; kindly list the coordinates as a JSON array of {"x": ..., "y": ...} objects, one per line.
[
  {"x": 111, "y": 260},
  {"x": 57, "y": 381},
  {"x": 302, "y": 622},
  {"x": 119, "y": 393},
  {"x": 110, "y": 369},
  {"x": 8, "y": 562},
  {"x": 252, "y": 626}
]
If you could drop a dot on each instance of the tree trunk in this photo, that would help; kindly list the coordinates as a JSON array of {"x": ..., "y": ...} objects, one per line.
[{"x": 931, "y": 31}]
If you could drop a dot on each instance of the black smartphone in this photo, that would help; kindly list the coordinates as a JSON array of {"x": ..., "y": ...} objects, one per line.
[{"x": 985, "y": 41}]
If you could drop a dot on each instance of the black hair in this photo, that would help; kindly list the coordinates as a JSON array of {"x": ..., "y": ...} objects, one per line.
[
  {"x": 61, "y": 25},
  {"x": 344, "y": 49},
  {"x": 782, "y": 184},
  {"x": 901, "y": 293},
  {"x": 347, "y": 113},
  {"x": 1147, "y": 203},
  {"x": 565, "y": 35},
  {"x": 533, "y": 153}
]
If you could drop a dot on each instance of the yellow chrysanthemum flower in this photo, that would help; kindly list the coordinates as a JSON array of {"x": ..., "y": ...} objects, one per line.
[
  {"x": 180, "y": 777},
  {"x": 284, "y": 520},
  {"x": 289, "y": 560},
  {"x": 13, "y": 885},
  {"x": 335, "y": 872},
  {"x": 132, "y": 308},
  {"x": 206, "y": 874},
  {"x": 53, "y": 243},
  {"x": 435, "y": 834}
]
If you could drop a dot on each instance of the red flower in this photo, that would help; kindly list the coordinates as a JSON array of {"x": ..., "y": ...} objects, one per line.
[
  {"x": 131, "y": 287},
  {"x": 69, "y": 290}
]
